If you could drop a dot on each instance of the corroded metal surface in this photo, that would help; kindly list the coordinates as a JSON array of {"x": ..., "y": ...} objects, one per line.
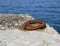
[{"x": 32, "y": 25}]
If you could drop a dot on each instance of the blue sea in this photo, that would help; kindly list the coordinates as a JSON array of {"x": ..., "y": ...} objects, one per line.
[{"x": 47, "y": 10}]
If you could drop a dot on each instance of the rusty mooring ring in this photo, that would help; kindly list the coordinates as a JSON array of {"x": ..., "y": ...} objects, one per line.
[{"x": 27, "y": 25}]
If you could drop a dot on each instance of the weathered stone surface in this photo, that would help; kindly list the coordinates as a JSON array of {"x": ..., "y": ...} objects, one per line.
[
  {"x": 11, "y": 36},
  {"x": 12, "y": 21}
]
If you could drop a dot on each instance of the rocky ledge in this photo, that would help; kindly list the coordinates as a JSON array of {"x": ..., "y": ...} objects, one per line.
[{"x": 10, "y": 35}]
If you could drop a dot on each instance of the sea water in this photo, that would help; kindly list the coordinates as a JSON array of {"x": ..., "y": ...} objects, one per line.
[{"x": 47, "y": 10}]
